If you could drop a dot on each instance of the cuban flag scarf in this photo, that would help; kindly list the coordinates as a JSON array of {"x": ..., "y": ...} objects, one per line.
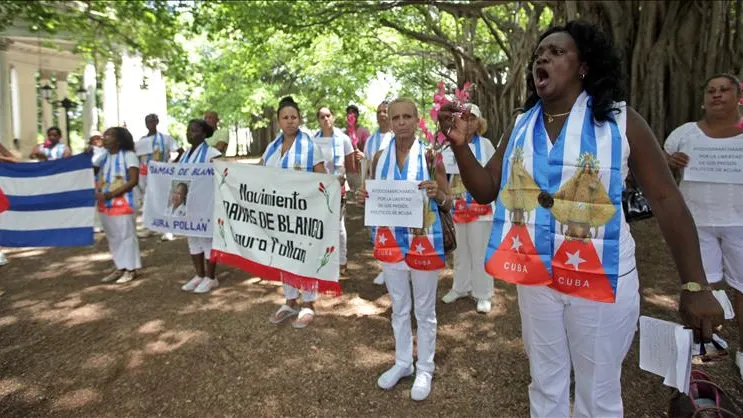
[
  {"x": 558, "y": 215},
  {"x": 421, "y": 249},
  {"x": 300, "y": 156},
  {"x": 111, "y": 177},
  {"x": 466, "y": 209}
]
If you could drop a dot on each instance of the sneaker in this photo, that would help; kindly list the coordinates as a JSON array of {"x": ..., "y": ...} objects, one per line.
[
  {"x": 3, "y": 259},
  {"x": 452, "y": 296},
  {"x": 167, "y": 237},
  {"x": 422, "y": 386},
  {"x": 379, "y": 280},
  {"x": 206, "y": 285},
  {"x": 484, "y": 305},
  {"x": 389, "y": 379},
  {"x": 739, "y": 362},
  {"x": 112, "y": 276},
  {"x": 127, "y": 277},
  {"x": 191, "y": 285}
]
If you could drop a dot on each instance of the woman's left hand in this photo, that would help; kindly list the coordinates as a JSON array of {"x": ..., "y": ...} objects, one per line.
[
  {"x": 431, "y": 187},
  {"x": 358, "y": 155},
  {"x": 100, "y": 196}
]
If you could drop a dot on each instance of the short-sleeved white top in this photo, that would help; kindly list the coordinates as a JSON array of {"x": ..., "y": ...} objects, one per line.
[{"x": 711, "y": 204}]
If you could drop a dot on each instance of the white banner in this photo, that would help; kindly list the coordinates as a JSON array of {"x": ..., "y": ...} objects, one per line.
[
  {"x": 394, "y": 203},
  {"x": 180, "y": 199},
  {"x": 278, "y": 224},
  {"x": 715, "y": 162}
]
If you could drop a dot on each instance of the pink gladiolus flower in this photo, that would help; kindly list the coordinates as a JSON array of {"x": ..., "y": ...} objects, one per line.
[{"x": 441, "y": 138}]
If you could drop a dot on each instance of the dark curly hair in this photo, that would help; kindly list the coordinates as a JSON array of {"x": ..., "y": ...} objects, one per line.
[
  {"x": 603, "y": 81},
  {"x": 123, "y": 137}
]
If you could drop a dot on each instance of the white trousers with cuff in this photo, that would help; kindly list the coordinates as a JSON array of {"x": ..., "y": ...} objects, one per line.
[
  {"x": 398, "y": 279},
  {"x": 559, "y": 329},
  {"x": 121, "y": 234},
  {"x": 469, "y": 260},
  {"x": 343, "y": 240},
  {"x": 292, "y": 293}
]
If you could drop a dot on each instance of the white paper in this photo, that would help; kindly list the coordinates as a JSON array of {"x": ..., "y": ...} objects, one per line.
[
  {"x": 394, "y": 203},
  {"x": 727, "y": 306},
  {"x": 450, "y": 163},
  {"x": 717, "y": 162},
  {"x": 143, "y": 147},
  {"x": 665, "y": 350}
]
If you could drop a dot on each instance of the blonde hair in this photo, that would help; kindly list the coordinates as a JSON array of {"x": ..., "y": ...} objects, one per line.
[
  {"x": 483, "y": 127},
  {"x": 401, "y": 100}
]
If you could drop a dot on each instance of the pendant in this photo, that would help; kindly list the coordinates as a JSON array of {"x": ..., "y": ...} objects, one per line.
[{"x": 550, "y": 119}]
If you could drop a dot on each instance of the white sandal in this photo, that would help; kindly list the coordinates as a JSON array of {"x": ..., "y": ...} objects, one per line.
[
  {"x": 299, "y": 323},
  {"x": 284, "y": 312}
]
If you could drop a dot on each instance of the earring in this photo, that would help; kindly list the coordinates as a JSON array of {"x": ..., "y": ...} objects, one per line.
[
  {"x": 582, "y": 76},
  {"x": 702, "y": 107}
]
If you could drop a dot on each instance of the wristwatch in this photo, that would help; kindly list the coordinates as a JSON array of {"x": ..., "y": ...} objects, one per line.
[{"x": 694, "y": 287}]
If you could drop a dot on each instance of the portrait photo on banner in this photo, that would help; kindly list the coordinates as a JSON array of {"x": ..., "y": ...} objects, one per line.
[{"x": 178, "y": 198}]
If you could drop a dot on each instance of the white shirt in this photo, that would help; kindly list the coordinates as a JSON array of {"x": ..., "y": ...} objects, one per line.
[
  {"x": 335, "y": 159},
  {"x": 711, "y": 204},
  {"x": 179, "y": 211},
  {"x": 170, "y": 146},
  {"x": 130, "y": 160}
]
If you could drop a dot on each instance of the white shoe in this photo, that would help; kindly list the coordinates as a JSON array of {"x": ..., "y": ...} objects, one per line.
[
  {"x": 144, "y": 233},
  {"x": 379, "y": 280},
  {"x": 3, "y": 259},
  {"x": 206, "y": 285},
  {"x": 112, "y": 276},
  {"x": 97, "y": 230},
  {"x": 484, "y": 305},
  {"x": 422, "y": 386},
  {"x": 389, "y": 379},
  {"x": 452, "y": 296},
  {"x": 191, "y": 284},
  {"x": 167, "y": 237},
  {"x": 127, "y": 277},
  {"x": 739, "y": 362}
]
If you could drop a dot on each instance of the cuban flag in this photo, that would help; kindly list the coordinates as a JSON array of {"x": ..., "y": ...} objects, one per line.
[{"x": 47, "y": 204}]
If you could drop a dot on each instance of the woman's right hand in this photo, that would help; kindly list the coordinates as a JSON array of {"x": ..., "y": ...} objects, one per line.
[
  {"x": 461, "y": 128},
  {"x": 677, "y": 160},
  {"x": 361, "y": 196}
]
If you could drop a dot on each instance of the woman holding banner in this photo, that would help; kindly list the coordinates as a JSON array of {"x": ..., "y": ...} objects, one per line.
[
  {"x": 472, "y": 222},
  {"x": 558, "y": 230},
  {"x": 717, "y": 208},
  {"x": 338, "y": 153},
  {"x": 411, "y": 255},
  {"x": 200, "y": 248},
  {"x": 294, "y": 149},
  {"x": 117, "y": 176}
]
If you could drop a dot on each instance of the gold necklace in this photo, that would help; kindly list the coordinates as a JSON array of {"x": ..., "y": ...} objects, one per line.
[{"x": 551, "y": 118}]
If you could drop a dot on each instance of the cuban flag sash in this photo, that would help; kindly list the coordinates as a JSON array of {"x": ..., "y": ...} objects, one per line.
[
  {"x": 198, "y": 155},
  {"x": 466, "y": 209},
  {"x": 112, "y": 175},
  {"x": 158, "y": 153},
  {"x": 558, "y": 216},
  {"x": 54, "y": 153},
  {"x": 375, "y": 143},
  {"x": 421, "y": 249},
  {"x": 300, "y": 156}
]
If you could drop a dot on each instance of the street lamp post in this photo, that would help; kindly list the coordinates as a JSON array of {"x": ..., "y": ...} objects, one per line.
[{"x": 66, "y": 104}]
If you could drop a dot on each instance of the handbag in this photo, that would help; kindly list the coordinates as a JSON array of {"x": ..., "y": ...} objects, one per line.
[
  {"x": 706, "y": 399},
  {"x": 447, "y": 230},
  {"x": 635, "y": 205}
]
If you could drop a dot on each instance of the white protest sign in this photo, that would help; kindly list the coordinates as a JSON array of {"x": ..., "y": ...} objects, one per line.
[
  {"x": 450, "y": 163},
  {"x": 278, "y": 224},
  {"x": 180, "y": 199},
  {"x": 665, "y": 350},
  {"x": 718, "y": 161},
  {"x": 143, "y": 146},
  {"x": 394, "y": 203}
]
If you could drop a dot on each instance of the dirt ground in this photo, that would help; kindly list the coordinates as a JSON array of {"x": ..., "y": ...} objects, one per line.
[{"x": 71, "y": 346}]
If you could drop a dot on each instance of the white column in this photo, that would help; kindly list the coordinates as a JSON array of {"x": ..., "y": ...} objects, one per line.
[
  {"x": 110, "y": 97},
  {"x": 157, "y": 93},
  {"x": 15, "y": 103},
  {"x": 46, "y": 106},
  {"x": 90, "y": 108},
  {"x": 6, "y": 133},
  {"x": 61, "y": 94},
  {"x": 28, "y": 108}
]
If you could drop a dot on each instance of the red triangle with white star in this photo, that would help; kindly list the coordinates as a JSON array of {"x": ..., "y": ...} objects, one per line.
[
  {"x": 385, "y": 246},
  {"x": 516, "y": 260},
  {"x": 578, "y": 271},
  {"x": 423, "y": 256}
]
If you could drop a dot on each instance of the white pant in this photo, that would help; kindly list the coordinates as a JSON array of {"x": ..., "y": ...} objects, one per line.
[
  {"x": 722, "y": 254},
  {"x": 595, "y": 336},
  {"x": 469, "y": 260},
  {"x": 121, "y": 234},
  {"x": 423, "y": 298},
  {"x": 343, "y": 240},
  {"x": 292, "y": 293},
  {"x": 198, "y": 245}
]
